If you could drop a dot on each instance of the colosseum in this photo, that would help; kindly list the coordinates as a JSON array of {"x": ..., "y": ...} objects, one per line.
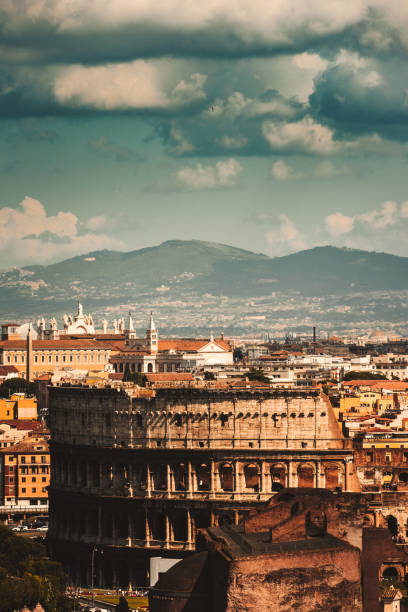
[{"x": 135, "y": 477}]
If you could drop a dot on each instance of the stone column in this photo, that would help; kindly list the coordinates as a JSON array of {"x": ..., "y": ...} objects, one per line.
[
  {"x": 190, "y": 483},
  {"x": 147, "y": 527},
  {"x": 213, "y": 487},
  {"x": 169, "y": 483},
  {"x": 189, "y": 530},
  {"x": 237, "y": 483},
  {"x": 148, "y": 481},
  {"x": 262, "y": 483},
  {"x": 320, "y": 479},
  {"x": 167, "y": 522},
  {"x": 292, "y": 475}
]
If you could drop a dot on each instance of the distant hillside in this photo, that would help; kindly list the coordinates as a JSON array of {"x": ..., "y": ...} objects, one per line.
[{"x": 179, "y": 268}]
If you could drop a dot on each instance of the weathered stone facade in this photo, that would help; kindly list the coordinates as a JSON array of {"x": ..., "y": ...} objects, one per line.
[{"x": 138, "y": 476}]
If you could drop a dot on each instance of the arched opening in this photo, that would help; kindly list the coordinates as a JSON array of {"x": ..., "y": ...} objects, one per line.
[
  {"x": 202, "y": 519},
  {"x": 139, "y": 525},
  {"x": 226, "y": 519},
  {"x": 251, "y": 475},
  {"x": 316, "y": 524},
  {"x": 160, "y": 478},
  {"x": 390, "y": 573},
  {"x": 392, "y": 525},
  {"x": 180, "y": 477},
  {"x": 331, "y": 474},
  {"x": 226, "y": 477},
  {"x": 278, "y": 478},
  {"x": 139, "y": 367},
  {"x": 157, "y": 526},
  {"x": 122, "y": 525},
  {"x": 150, "y": 368},
  {"x": 179, "y": 524},
  {"x": 203, "y": 477},
  {"x": 305, "y": 476}
]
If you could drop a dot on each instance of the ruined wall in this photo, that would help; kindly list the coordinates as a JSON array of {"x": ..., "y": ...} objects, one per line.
[{"x": 330, "y": 581}]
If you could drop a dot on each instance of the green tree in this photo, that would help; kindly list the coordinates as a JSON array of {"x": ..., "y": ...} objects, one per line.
[
  {"x": 255, "y": 374},
  {"x": 135, "y": 377},
  {"x": 209, "y": 376},
  {"x": 17, "y": 385},
  {"x": 357, "y": 375}
]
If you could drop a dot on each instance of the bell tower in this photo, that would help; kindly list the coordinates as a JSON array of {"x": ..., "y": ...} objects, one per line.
[
  {"x": 130, "y": 333},
  {"x": 152, "y": 336}
]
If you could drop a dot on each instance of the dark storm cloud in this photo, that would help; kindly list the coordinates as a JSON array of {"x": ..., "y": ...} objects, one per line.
[{"x": 364, "y": 97}]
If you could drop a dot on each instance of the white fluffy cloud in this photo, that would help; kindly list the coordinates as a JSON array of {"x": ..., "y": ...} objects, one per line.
[
  {"x": 305, "y": 136},
  {"x": 131, "y": 85},
  {"x": 30, "y": 235},
  {"x": 286, "y": 237},
  {"x": 338, "y": 224},
  {"x": 222, "y": 174},
  {"x": 283, "y": 171}
]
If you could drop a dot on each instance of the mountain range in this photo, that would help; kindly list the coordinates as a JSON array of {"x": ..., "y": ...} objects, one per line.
[{"x": 177, "y": 268}]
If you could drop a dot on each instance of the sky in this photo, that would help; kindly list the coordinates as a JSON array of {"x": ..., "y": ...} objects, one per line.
[{"x": 271, "y": 125}]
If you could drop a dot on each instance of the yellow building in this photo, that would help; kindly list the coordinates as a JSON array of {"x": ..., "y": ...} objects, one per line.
[
  {"x": 365, "y": 402},
  {"x": 25, "y": 473},
  {"x": 18, "y": 406}
]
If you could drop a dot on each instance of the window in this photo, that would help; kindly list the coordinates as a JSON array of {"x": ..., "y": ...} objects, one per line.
[
  {"x": 34, "y": 490},
  {"x": 44, "y": 490},
  {"x": 49, "y": 358},
  {"x": 56, "y": 358},
  {"x": 71, "y": 358},
  {"x": 23, "y": 490},
  {"x": 42, "y": 359},
  {"x": 34, "y": 479},
  {"x": 35, "y": 358},
  {"x": 32, "y": 459},
  {"x": 43, "y": 459},
  {"x": 23, "y": 479},
  {"x": 22, "y": 460},
  {"x": 43, "y": 479}
]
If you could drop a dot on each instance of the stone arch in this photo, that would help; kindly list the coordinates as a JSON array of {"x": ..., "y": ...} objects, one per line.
[
  {"x": 368, "y": 520},
  {"x": 203, "y": 477},
  {"x": 251, "y": 476},
  {"x": 227, "y": 518},
  {"x": 278, "y": 477},
  {"x": 226, "y": 472},
  {"x": 316, "y": 523},
  {"x": 306, "y": 475},
  {"x": 390, "y": 572},
  {"x": 392, "y": 524},
  {"x": 157, "y": 523},
  {"x": 179, "y": 524},
  {"x": 159, "y": 474},
  {"x": 180, "y": 477},
  {"x": 332, "y": 477}
]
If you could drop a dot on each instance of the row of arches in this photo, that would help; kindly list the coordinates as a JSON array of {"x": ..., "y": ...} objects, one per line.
[{"x": 227, "y": 476}]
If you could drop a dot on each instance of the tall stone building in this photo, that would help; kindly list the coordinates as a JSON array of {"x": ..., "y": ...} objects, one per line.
[{"x": 135, "y": 477}]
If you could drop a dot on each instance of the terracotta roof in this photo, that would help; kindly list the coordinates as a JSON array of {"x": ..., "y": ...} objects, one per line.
[
  {"x": 7, "y": 369},
  {"x": 43, "y": 377},
  {"x": 27, "y": 447},
  {"x": 115, "y": 376},
  {"x": 170, "y": 377},
  {"x": 22, "y": 424},
  {"x": 389, "y": 385}
]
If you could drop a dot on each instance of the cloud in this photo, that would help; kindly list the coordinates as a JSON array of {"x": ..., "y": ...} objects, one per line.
[
  {"x": 338, "y": 224},
  {"x": 286, "y": 237},
  {"x": 305, "y": 136},
  {"x": 281, "y": 171},
  {"x": 268, "y": 104},
  {"x": 223, "y": 174},
  {"x": 105, "y": 147},
  {"x": 384, "y": 228},
  {"x": 113, "y": 86},
  {"x": 30, "y": 235}
]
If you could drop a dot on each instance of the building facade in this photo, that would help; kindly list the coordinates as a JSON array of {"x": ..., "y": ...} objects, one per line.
[{"x": 135, "y": 477}]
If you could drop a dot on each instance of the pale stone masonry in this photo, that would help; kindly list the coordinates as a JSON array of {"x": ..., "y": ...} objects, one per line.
[{"x": 137, "y": 476}]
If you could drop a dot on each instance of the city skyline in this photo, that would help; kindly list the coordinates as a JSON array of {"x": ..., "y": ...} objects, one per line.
[{"x": 272, "y": 127}]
